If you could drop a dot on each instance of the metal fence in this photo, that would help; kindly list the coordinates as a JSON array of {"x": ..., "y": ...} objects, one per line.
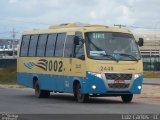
[
  {"x": 7, "y": 62},
  {"x": 151, "y": 63}
]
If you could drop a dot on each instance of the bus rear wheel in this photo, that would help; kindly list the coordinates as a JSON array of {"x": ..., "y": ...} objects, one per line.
[
  {"x": 127, "y": 98},
  {"x": 81, "y": 97},
  {"x": 40, "y": 93}
]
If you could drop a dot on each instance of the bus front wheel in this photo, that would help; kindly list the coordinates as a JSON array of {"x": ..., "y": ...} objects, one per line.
[
  {"x": 41, "y": 93},
  {"x": 127, "y": 98},
  {"x": 81, "y": 97}
]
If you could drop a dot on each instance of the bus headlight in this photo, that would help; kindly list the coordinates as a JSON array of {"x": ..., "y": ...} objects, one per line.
[
  {"x": 96, "y": 74},
  {"x": 135, "y": 76}
]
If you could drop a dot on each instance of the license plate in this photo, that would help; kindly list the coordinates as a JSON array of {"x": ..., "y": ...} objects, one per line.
[{"x": 119, "y": 81}]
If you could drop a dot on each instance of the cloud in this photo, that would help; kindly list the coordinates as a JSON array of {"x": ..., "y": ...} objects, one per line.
[
  {"x": 126, "y": 17},
  {"x": 92, "y": 14},
  {"x": 13, "y": 1},
  {"x": 108, "y": 12}
]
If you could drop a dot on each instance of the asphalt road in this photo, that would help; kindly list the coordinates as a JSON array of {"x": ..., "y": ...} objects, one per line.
[
  {"x": 152, "y": 81},
  {"x": 17, "y": 101}
]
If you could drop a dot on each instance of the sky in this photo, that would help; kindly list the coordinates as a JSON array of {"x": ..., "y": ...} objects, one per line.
[{"x": 22, "y": 15}]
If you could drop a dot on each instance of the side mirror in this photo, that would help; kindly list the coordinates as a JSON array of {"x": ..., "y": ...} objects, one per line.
[
  {"x": 82, "y": 57},
  {"x": 140, "y": 42},
  {"x": 76, "y": 40}
]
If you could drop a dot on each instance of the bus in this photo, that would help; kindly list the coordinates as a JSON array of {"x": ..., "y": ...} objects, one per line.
[{"x": 87, "y": 60}]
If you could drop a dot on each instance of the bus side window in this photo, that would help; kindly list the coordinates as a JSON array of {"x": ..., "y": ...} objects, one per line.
[
  {"x": 24, "y": 45},
  {"x": 51, "y": 45},
  {"x": 41, "y": 45},
  {"x": 33, "y": 45},
  {"x": 79, "y": 51},
  {"x": 60, "y": 44},
  {"x": 69, "y": 46}
]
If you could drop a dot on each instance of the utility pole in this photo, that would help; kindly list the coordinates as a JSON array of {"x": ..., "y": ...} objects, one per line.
[
  {"x": 119, "y": 25},
  {"x": 13, "y": 37}
]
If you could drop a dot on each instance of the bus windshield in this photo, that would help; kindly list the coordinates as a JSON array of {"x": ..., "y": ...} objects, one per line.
[{"x": 111, "y": 46}]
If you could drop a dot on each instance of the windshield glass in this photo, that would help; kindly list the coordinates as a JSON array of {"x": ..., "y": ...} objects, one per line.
[{"x": 111, "y": 45}]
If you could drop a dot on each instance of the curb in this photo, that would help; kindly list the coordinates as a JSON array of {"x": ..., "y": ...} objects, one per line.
[{"x": 151, "y": 84}]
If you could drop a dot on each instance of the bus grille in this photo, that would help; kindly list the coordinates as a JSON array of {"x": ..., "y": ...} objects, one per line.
[
  {"x": 117, "y": 76},
  {"x": 118, "y": 86}
]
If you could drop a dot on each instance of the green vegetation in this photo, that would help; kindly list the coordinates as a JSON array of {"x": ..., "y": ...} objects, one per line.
[
  {"x": 151, "y": 74},
  {"x": 8, "y": 75}
]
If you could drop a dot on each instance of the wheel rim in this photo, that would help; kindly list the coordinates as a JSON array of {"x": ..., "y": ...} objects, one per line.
[
  {"x": 80, "y": 96},
  {"x": 37, "y": 90}
]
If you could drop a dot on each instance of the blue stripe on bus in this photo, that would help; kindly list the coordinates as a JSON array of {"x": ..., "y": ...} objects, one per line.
[{"x": 65, "y": 83}]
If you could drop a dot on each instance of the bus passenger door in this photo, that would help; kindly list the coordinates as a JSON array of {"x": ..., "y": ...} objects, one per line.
[
  {"x": 78, "y": 61},
  {"x": 67, "y": 61},
  {"x": 74, "y": 63}
]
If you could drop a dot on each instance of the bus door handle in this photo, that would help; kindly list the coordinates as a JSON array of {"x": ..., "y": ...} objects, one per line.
[
  {"x": 69, "y": 69},
  {"x": 70, "y": 60}
]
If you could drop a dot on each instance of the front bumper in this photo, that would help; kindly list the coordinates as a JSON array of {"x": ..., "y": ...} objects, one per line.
[{"x": 95, "y": 85}]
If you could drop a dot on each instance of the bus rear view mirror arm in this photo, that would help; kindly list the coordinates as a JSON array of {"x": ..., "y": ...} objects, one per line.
[
  {"x": 82, "y": 57},
  {"x": 76, "y": 40},
  {"x": 140, "y": 42}
]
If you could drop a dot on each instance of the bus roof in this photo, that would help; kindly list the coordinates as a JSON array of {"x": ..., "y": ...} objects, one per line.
[{"x": 77, "y": 27}]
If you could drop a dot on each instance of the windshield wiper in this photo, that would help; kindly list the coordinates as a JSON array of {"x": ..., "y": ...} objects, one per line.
[
  {"x": 128, "y": 55},
  {"x": 110, "y": 56},
  {"x": 107, "y": 55}
]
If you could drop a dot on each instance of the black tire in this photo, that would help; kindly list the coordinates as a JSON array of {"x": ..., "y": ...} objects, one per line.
[
  {"x": 127, "y": 98},
  {"x": 40, "y": 93},
  {"x": 81, "y": 97}
]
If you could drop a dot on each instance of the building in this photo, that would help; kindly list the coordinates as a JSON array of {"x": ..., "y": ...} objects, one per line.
[{"x": 8, "y": 48}]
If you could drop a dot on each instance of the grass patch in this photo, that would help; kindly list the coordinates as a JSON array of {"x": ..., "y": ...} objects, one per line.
[
  {"x": 8, "y": 75},
  {"x": 151, "y": 74}
]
